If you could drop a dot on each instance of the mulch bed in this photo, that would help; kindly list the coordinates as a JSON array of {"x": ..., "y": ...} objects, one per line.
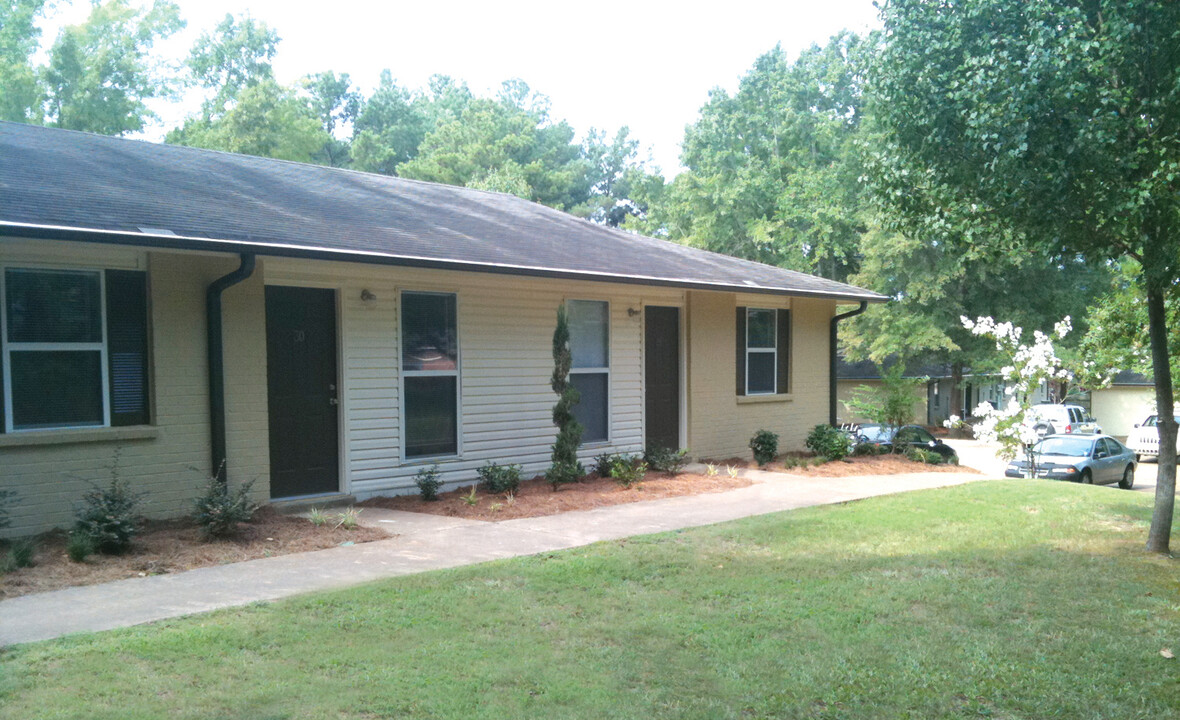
[
  {"x": 863, "y": 465},
  {"x": 536, "y": 497},
  {"x": 168, "y": 546}
]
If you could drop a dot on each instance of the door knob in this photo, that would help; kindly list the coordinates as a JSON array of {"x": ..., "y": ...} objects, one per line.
[{"x": 333, "y": 401}]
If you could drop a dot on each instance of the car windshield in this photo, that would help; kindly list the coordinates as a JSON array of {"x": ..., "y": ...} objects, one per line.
[
  {"x": 876, "y": 433},
  {"x": 1152, "y": 420},
  {"x": 1074, "y": 447}
]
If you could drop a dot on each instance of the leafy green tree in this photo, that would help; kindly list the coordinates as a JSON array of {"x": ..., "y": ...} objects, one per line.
[
  {"x": 389, "y": 128},
  {"x": 267, "y": 120},
  {"x": 102, "y": 72},
  {"x": 1117, "y": 336},
  {"x": 231, "y": 57},
  {"x": 20, "y": 90},
  {"x": 619, "y": 182},
  {"x": 772, "y": 169},
  {"x": 336, "y": 103},
  {"x": 1050, "y": 124},
  {"x": 893, "y": 402}
]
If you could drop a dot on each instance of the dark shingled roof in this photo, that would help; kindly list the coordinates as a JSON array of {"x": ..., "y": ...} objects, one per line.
[{"x": 72, "y": 185}]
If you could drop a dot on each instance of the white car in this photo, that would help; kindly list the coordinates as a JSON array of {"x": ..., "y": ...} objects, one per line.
[
  {"x": 1144, "y": 440},
  {"x": 1055, "y": 419}
]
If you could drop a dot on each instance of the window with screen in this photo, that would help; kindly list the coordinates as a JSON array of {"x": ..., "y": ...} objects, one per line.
[
  {"x": 74, "y": 348},
  {"x": 589, "y": 322},
  {"x": 763, "y": 351},
  {"x": 430, "y": 374}
]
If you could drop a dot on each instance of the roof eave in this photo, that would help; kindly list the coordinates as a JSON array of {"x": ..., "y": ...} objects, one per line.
[{"x": 182, "y": 242}]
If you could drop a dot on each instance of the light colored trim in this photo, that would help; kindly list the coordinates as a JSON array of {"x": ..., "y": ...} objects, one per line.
[
  {"x": 764, "y": 351},
  {"x": 763, "y": 398},
  {"x": 79, "y": 435},
  {"x": 7, "y": 348},
  {"x": 600, "y": 371},
  {"x": 402, "y": 374}
]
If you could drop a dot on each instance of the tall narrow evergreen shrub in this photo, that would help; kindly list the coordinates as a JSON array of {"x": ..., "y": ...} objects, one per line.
[{"x": 564, "y": 467}]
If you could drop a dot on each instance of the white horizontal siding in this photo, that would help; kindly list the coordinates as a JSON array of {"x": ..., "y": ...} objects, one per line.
[{"x": 505, "y": 344}]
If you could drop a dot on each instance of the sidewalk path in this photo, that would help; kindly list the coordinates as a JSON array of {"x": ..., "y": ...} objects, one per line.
[{"x": 424, "y": 542}]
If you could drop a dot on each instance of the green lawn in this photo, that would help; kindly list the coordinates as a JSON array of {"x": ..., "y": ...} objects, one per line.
[{"x": 1013, "y": 599}]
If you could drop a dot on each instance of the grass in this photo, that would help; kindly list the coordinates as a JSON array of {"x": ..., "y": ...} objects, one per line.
[{"x": 1010, "y": 599}]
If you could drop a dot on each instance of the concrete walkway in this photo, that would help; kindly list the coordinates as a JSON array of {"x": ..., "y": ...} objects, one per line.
[{"x": 424, "y": 542}]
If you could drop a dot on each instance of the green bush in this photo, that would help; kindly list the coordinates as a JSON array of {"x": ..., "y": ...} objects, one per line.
[
  {"x": 666, "y": 460},
  {"x": 20, "y": 555},
  {"x": 7, "y": 500},
  {"x": 627, "y": 470},
  {"x": 765, "y": 446},
  {"x": 109, "y": 516},
  {"x": 428, "y": 482},
  {"x": 79, "y": 547},
  {"x": 602, "y": 464},
  {"x": 499, "y": 479},
  {"x": 864, "y": 448},
  {"x": 219, "y": 511},
  {"x": 829, "y": 442},
  {"x": 917, "y": 454}
]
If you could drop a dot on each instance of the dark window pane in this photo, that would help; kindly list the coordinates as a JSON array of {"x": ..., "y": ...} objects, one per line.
[
  {"x": 588, "y": 333},
  {"x": 429, "y": 332},
  {"x": 53, "y": 306},
  {"x": 430, "y": 416},
  {"x": 56, "y": 389},
  {"x": 761, "y": 371},
  {"x": 127, "y": 346},
  {"x": 762, "y": 328},
  {"x": 591, "y": 410}
]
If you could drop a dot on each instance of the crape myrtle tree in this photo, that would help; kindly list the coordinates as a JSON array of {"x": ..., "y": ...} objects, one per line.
[{"x": 1051, "y": 125}]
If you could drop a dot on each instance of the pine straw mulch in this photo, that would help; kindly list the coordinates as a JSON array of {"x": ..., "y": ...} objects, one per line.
[
  {"x": 170, "y": 546},
  {"x": 536, "y": 497},
  {"x": 792, "y": 463}
]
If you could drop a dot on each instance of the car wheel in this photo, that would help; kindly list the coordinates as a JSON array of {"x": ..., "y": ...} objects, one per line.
[
  {"x": 1043, "y": 429},
  {"x": 1128, "y": 480},
  {"x": 1087, "y": 477}
]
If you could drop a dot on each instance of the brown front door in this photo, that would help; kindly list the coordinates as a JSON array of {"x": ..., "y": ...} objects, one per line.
[
  {"x": 301, "y": 391},
  {"x": 661, "y": 332}
]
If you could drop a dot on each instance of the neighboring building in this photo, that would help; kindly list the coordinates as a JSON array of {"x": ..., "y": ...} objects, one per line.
[
  {"x": 1127, "y": 402},
  {"x": 851, "y": 377},
  {"x": 169, "y": 313}
]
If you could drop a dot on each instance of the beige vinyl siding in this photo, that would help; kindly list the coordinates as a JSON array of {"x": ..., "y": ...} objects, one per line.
[
  {"x": 720, "y": 422},
  {"x": 168, "y": 460},
  {"x": 505, "y": 353}
]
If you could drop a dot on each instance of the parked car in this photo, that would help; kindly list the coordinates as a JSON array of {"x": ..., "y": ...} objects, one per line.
[
  {"x": 1089, "y": 459},
  {"x": 885, "y": 437},
  {"x": 1144, "y": 440},
  {"x": 1058, "y": 419}
]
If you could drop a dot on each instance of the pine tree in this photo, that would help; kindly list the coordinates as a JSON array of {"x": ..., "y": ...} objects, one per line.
[{"x": 565, "y": 466}]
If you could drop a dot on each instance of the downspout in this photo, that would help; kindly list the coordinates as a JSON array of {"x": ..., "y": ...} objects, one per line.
[
  {"x": 217, "y": 361},
  {"x": 864, "y": 304}
]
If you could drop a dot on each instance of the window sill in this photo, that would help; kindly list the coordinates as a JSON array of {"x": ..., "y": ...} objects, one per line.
[
  {"x": 755, "y": 399},
  {"x": 79, "y": 435}
]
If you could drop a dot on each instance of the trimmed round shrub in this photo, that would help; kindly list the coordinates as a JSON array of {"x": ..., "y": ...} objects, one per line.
[
  {"x": 829, "y": 442},
  {"x": 765, "y": 446}
]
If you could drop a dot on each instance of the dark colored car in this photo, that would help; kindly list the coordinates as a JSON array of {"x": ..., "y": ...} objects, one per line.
[
  {"x": 1098, "y": 459},
  {"x": 885, "y": 437}
]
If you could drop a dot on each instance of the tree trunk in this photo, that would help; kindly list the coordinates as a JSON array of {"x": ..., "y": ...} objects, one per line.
[
  {"x": 1165, "y": 489},
  {"x": 956, "y": 390}
]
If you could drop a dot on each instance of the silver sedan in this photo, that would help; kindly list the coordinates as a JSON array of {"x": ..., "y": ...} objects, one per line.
[{"x": 1097, "y": 459}]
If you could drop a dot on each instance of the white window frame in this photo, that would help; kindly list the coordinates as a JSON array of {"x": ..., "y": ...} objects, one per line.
[
  {"x": 403, "y": 374},
  {"x": 603, "y": 370},
  {"x": 772, "y": 351},
  {"x": 7, "y": 348}
]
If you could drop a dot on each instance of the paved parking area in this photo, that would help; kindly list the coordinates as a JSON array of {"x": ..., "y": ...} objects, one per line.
[{"x": 982, "y": 457}]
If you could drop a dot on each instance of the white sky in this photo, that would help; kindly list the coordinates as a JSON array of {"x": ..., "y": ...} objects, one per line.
[{"x": 645, "y": 64}]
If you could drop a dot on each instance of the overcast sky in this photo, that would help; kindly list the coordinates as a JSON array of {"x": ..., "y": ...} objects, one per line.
[{"x": 647, "y": 65}]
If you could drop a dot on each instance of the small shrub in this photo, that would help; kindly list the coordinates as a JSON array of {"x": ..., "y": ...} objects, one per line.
[
  {"x": 428, "y": 482},
  {"x": 627, "y": 471},
  {"x": 864, "y": 448},
  {"x": 829, "y": 442},
  {"x": 7, "y": 500},
  {"x": 108, "y": 515},
  {"x": 564, "y": 472},
  {"x": 917, "y": 454},
  {"x": 348, "y": 519},
  {"x": 318, "y": 517},
  {"x": 602, "y": 465},
  {"x": 733, "y": 472},
  {"x": 20, "y": 555},
  {"x": 471, "y": 499},
  {"x": 499, "y": 479},
  {"x": 765, "y": 446},
  {"x": 79, "y": 547},
  {"x": 666, "y": 460},
  {"x": 219, "y": 511},
  {"x": 710, "y": 470}
]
